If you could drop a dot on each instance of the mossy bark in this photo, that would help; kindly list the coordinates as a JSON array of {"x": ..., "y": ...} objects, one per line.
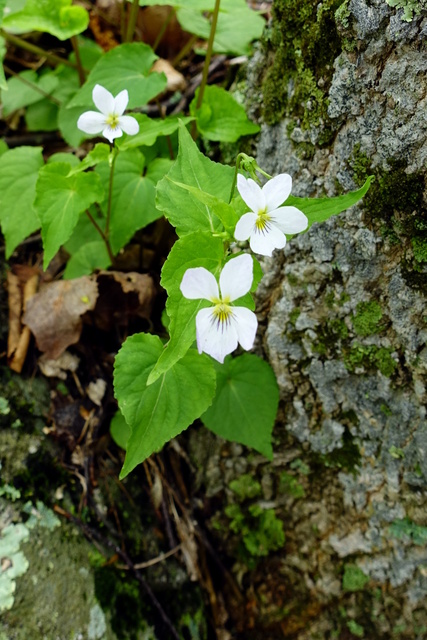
[{"x": 343, "y": 322}]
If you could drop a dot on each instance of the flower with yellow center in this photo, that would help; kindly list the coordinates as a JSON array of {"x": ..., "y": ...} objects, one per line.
[
  {"x": 221, "y": 327},
  {"x": 110, "y": 121},
  {"x": 267, "y": 222}
]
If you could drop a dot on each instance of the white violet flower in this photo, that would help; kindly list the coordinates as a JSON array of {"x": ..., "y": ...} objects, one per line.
[
  {"x": 220, "y": 328},
  {"x": 267, "y": 222},
  {"x": 110, "y": 121}
]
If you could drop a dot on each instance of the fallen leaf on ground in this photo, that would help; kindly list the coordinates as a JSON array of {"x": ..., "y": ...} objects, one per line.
[{"x": 54, "y": 314}]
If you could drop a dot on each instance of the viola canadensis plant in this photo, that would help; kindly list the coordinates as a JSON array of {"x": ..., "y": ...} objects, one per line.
[{"x": 94, "y": 206}]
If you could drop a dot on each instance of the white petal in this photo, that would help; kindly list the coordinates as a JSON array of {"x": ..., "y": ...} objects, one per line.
[
  {"x": 111, "y": 133},
  {"x": 245, "y": 226},
  {"x": 289, "y": 219},
  {"x": 215, "y": 338},
  {"x": 277, "y": 190},
  {"x": 266, "y": 241},
  {"x": 129, "y": 125},
  {"x": 199, "y": 283},
  {"x": 236, "y": 277},
  {"x": 103, "y": 100},
  {"x": 246, "y": 326},
  {"x": 120, "y": 102},
  {"x": 91, "y": 122},
  {"x": 251, "y": 193}
]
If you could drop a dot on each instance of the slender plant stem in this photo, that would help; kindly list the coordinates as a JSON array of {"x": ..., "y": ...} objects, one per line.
[
  {"x": 206, "y": 65},
  {"x": 80, "y": 70},
  {"x": 185, "y": 49},
  {"x": 163, "y": 29},
  {"x": 132, "y": 21},
  {"x": 110, "y": 192},
  {"x": 28, "y": 46},
  {"x": 102, "y": 234},
  {"x": 32, "y": 85}
]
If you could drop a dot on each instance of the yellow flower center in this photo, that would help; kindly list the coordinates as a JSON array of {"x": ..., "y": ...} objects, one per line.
[
  {"x": 222, "y": 311},
  {"x": 112, "y": 120},
  {"x": 262, "y": 221}
]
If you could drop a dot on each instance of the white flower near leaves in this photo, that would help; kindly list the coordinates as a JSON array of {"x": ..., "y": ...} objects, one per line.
[
  {"x": 267, "y": 222},
  {"x": 110, "y": 119},
  {"x": 220, "y": 328}
]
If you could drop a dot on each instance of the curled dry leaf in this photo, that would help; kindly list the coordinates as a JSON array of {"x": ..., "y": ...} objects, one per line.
[
  {"x": 54, "y": 314},
  {"x": 58, "y": 368},
  {"x": 175, "y": 79}
]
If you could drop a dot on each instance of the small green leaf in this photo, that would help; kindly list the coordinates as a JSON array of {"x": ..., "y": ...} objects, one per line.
[
  {"x": 18, "y": 176},
  {"x": 220, "y": 117},
  {"x": 60, "y": 200},
  {"x": 133, "y": 200},
  {"x": 20, "y": 94},
  {"x": 57, "y": 17},
  {"x": 100, "y": 153},
  {"x": 3, "y": 81},
  {"x": 63, "y": 156},
  {"x": 158, "y": 413},
  {"x": 150, "y": 129},
  {"x": 245, "y": 405},
  {"x": 120, "y": 430},
  {"x": 42, "y": 116},
  {"x": 354, "y": 579},
  {"x": 193, "y": 169},
  {"x": 90, "y": 256},
  {"x": 320, "y": 209},
  {"x": 124, "y": 67},
  {"x": 196, "y": 250}
]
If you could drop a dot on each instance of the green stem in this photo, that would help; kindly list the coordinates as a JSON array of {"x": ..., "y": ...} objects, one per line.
[
  {"x": 206, "y": 65},
  {"x": 102, "y": 234},
  {"x": 115, "y": 153},
  {"x": 80, "y": 70},
  {"x": 33, "y": 86},
  {"x": 185, "y": 49},
  {"x": 163, "y": 29},
  {"x": 132, "y": 21},
  {"x": 20, "y": 42}
]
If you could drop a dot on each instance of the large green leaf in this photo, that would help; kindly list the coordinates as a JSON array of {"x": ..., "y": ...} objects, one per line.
[
  {"x": 150, "y": 129},
  {"x": 237, "y": 26},
  {"x": 60, "y": 200},
  {"x": 124, "y": 67},
  {"x": 320, "y": 209},
  {"x": 22, "y": 90},
  {"x": 133, "y": 200},
  {"x": 57, "y": 17},
  {"x": 18, "y": 176},
  {"x": 194, "y": 169},
  {"x": 220, "y": 117},
  {"x": 199, "y": 249},
  {"x": 245, "y": 405},
  {"x": 159, "y": 412}
]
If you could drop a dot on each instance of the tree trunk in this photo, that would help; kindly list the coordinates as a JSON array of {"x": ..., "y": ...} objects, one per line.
[{"x": 344, "y": 89}]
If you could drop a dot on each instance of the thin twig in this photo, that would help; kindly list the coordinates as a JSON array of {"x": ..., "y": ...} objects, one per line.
[
  {"x": 163, "y": 29},
  {"x": 28, "y": 46},
  {"x": 33, "y": 86}
]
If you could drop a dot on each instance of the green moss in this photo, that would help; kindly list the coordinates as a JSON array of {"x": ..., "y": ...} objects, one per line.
[
  {"x": 289, "y": 484},
  {"x": 356, "y": 629},
  {"x": 395, "y": 204},
  {"x": 370, "y": 356},
  {"x": 245, "y": 487},
  {"x": 347, "y": 457},
  {"x": 411, "y": 8},
  {"x": 353, "y": 579},
  {"x": 260, "y": 530},
  {"x": 367, "y": 318},
  {"x": 294, "y": 315},
  {"x": 303, "y": 45}
]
